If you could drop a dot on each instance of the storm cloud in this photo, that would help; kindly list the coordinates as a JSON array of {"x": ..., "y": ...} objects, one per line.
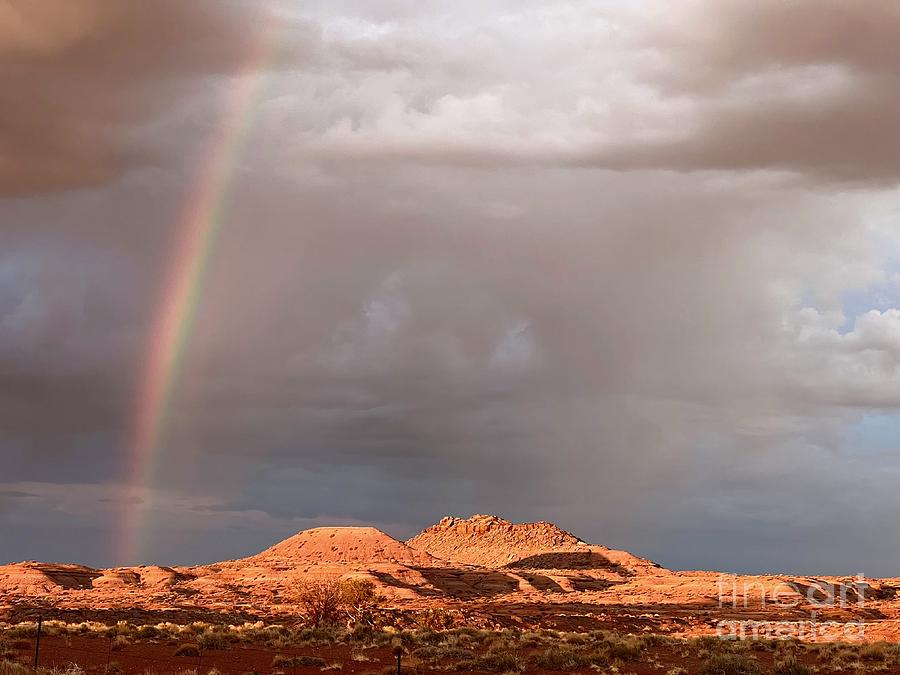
[
  {"x": 78, "y": 77},
  {"x": 623, "y": 269}
]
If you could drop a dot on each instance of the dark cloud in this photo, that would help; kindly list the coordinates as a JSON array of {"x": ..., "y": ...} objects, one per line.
[
  {"x": 15, "y": 494},
  {"x": 474, "y": 318},
  {"x": 737, "y": 39},
  {"x": 78, "y": 76},
  {"x": 805, "y": 86}
]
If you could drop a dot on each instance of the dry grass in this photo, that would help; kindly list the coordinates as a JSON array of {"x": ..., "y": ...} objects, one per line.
[
  {"x": 566, "y": 658},
  {"x": 791, "y": 666},
  {"x": 730, "y": 664},
  {"x": 464, "y": 648},
  {"x": 493, "y": 661},
  {"x": 13, "y": 668}
]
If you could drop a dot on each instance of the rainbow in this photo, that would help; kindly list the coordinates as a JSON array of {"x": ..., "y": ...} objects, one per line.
[{"x": 195, "y": 234}]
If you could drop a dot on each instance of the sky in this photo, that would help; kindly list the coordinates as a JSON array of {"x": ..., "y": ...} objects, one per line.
[{"x": 630, "y": 267}]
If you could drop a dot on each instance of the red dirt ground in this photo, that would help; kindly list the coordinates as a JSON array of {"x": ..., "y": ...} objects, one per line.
[{"x": 93, "y": 654}]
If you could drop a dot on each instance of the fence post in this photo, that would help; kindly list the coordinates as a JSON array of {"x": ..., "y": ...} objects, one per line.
[
  {"x": 109, "y": 653},
  {"x": 398, "y": 650},
  {"x": 37, "y": 642}
]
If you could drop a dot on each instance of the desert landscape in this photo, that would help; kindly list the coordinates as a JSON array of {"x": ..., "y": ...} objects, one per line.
[
  {"x": 412, "y": 336},
  {"x": 481, "y": 575}
]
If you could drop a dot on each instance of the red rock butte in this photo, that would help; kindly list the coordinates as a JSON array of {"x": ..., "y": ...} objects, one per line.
[
  {"x": 490, "y": 570},
  {"x": 343, "y": 545}
]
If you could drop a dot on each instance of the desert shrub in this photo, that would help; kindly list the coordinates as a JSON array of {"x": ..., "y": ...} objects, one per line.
[
  {"x": 730, "y": 664},
  {"x": 361, "y": 633},
  {"x": 434, "y": 619},
  {"x": 710, "y": 643},
  {"x": 877, "y": 651},
  {"x": 382, "y": 638},
  {"x": 119, "y": 643},
  {"x": 791, "y": 666},
  {"x": 422, "y": 636},
  {"x": 324, "y": 603},
  {"x": 468, "y": 630},
  {"x": 213, "y": 640},
  {"x": 69, "y": 669},
  {"x": 147, "y": 632},
  {"x": 843, "y": 660},
  {"x": 359, "y": 601},
  {"x": 677, "y": 670},
  {"x": 758, "y": 645},
  {"x": 309, "y": 661},
  {"x": 22, "y": 630},
  {"x": 320, "y": 602},
  {"x": 114, "y": 668},
  {"x": 494, "y": 661},
  {"x": 501, "y": 644},
  {"x": 451, "y": 652},
  {"x": 121, "y": 628},
  {"x": 319, "y": 635},
  {"x": 188, "y": 649},
  {"x": 284, "y": 661},
  {"x": 627, "y": 648},
  {"x": 576, "y": 638},
  {"x": 655, "y": 640},
  {"x": 531, "y": 639},
  {"x": 408, "y": 638},
  {"x": 561, "y": 658},
  {"x": 440, "y": 652},
  {"x": 427, "y": 653}
]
